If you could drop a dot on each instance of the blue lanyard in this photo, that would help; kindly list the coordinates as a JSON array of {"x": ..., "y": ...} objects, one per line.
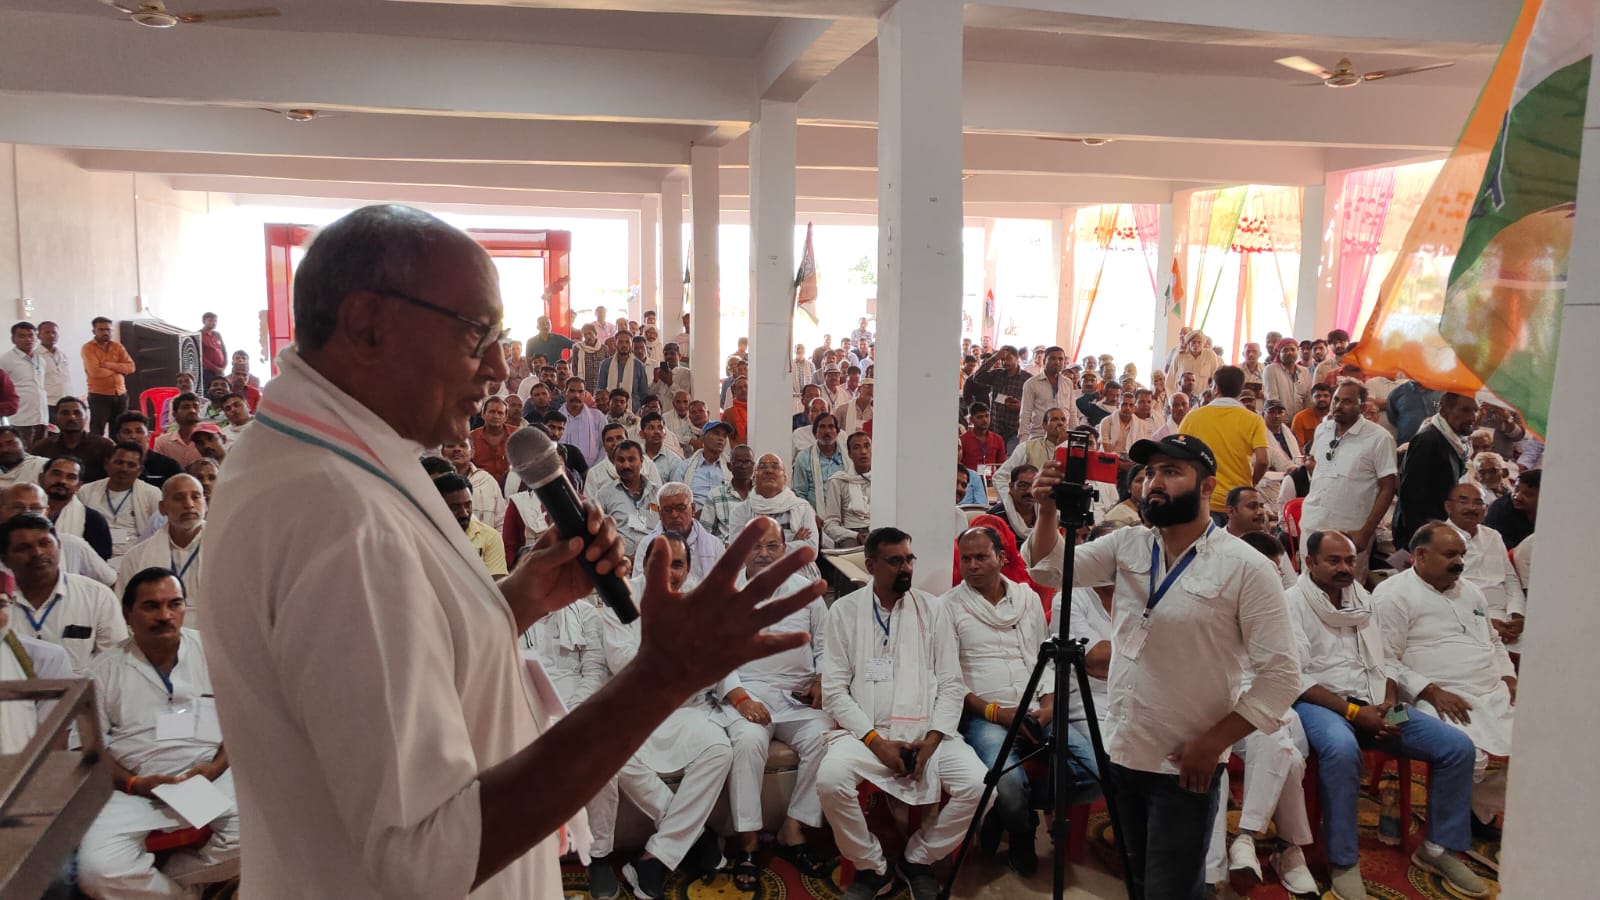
[
  {"x": 1172, "y": 577},
  {"x": 165, "y": 678},
  {"x": 117, "y": 509},
  {"x": 881, "y": 623},
  {"x": 179, "y": 573},
  {"x": 38, "y": 624}
]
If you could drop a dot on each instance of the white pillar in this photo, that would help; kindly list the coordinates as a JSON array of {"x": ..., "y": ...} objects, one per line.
[
  {"x": 1160, "y": 329},
  {"x": 671, "y": 256},
  {"x": 919, "y": 278},
  {"x": 1062, "y": 236},
  {"x": 772, "y": 215},
  {"x": 649, "y": 300},
  {"x": 1551, "y": 798},
  {"x": 636, "y": 239},
  {"x": 705, "y": 278},
  {"x": 1311, "y": 320}
]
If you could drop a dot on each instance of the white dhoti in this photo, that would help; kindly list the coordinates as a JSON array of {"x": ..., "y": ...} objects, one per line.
[
  {"x": 1274, "y": 769},
  {"x": 1490, "y": 730},
  {"x": 691, "y": 742},
  {"x": 954, "y": 767},
  {"x": 114, "y": 865},
  {"x": 807, "y": 737}
]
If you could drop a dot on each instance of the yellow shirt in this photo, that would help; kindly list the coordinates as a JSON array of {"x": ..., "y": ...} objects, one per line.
[
  {"x": 489, "y": 546},
  {"x": 1233, "y": 433}
]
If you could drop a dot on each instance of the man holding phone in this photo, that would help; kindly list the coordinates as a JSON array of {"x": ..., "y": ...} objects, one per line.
[
  {"x": 668, "y": 378},
  {"x": 1348, "y": 705}
]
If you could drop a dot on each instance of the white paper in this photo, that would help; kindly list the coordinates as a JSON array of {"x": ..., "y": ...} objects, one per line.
[
  {"x": 195, "y": 799},
  {"x": 175, "y": 726}
]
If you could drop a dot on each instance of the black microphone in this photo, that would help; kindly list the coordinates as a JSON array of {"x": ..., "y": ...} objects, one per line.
[{"x": 534, "y": 457}]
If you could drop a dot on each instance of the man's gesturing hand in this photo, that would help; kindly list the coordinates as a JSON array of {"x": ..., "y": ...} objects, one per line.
[{"x": 690, "y": 640}]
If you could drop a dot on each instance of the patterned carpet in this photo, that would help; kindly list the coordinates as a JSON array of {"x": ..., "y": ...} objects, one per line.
[{"x": 1387, "y": 870}]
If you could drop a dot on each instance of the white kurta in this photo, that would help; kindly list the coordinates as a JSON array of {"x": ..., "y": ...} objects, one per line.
[
  {"x": 999, "y": 642},
  {"x": 385, "y": 609},
  {"x": 82, "y": 617},
  {"x": 1489, "y": 567},
  {"x": 772, "y": 679},
  {"x": 130, "y": 516},
  {"x": 19, "y": 721},
  {"x": 567, "y": 644},
  {"x": 488, "y": 501},
  {"x": 1445, "y": 639},
  {"x": 1088, "y": 618},
  {"x": 25, "y": 472}
]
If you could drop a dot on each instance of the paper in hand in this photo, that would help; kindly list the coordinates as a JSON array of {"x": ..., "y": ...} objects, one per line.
[{"x": 195, "y": 799}]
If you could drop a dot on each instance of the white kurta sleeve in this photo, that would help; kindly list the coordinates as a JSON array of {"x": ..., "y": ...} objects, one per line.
[
  {"x": 833, "y": 512},
  {"x": 111, "y": 629},
  {"x": 373, "y": 674},
  {"x": 1269, "y": 641},
  {"x": 592, "y": 659},
  {"x": 952, "y": 690},
  {"x": 1394, "y": 618},
  {"x": 838, "y": 669},
  {"x": 1002, "y": 476}
]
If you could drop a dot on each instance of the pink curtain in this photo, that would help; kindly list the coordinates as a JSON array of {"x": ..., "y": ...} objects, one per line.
[
  {"x": 1146, "y": 221},
  {"x": 1363, "y": 209}
]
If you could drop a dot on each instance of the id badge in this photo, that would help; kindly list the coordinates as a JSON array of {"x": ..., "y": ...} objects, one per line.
[
  {"x": 1397, "y": 715},
  {"x": 880, "y": 668},
  {"x": 177, "y": 723},
  {"x": 1129, "y": 649}
]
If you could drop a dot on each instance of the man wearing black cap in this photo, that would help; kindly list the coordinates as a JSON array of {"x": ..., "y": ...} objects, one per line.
[{"x": 1191, "y": 603}]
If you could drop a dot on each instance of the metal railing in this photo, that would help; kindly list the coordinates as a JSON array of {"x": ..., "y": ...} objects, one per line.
[{"x": 49, "y": 796}]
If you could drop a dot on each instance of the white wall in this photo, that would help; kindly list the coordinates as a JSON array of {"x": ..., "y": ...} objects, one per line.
[{"x": 84, "y": 243}]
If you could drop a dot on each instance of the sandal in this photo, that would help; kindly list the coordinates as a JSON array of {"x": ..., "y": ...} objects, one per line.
[
  {"x": 746, "y": 874},
  {"x": 805, "y": 861}
]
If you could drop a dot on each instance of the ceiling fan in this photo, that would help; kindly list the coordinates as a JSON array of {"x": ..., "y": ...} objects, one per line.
[
  {"x": 154, "y": 14},
  {"x": 1085, "y": 141},
  {"x": 298, "y": 113},
  {"x": 1345, "y": 75}
]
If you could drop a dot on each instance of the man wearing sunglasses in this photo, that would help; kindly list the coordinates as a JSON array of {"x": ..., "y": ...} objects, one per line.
[{"x": 1353, "y": 474}]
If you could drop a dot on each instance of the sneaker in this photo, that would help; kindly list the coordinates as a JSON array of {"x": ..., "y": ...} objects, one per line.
[
  {"x": 1445, "y": 865},
  {"x": 989, "y": 834},
  {"x": 1021, "y": 854},
  {"x": 1348, "y": 883},
  {"x": 1290, "y": 864},
  {"x": 870, "y": 885},
  {"x": 919, "y": 877},
  {"x": 602, "y": 880},
  {"x": 1242, "y": 855},
  {"x": 647, "y": 877}
]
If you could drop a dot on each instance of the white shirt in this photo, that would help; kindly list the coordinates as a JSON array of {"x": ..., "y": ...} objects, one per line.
[
  {"x": 567, "y": 644},
  {"x": 1344, "y": 488},
  {"x": 635, "y": 518},
  {"x": 488, "y": 501},
  {"x": 1039, "y": 397},
  {"x": 1087, "y": 618},
  {"x": 704, "y": 549},
  {"x": 159, "y": 552},
  {"x": 1330, "y": 656},
  {"x": 28, "y": 374},
  {"x": 132, "y": 696},
  {"x": 846, "y": 507},
  {"x": 1224, "y": 614},
  {"x": 128, "y": 515},
  {"x": 772, "y": 678},
  {"x": 860, "y": 704},
  {"x": 363, "y": 596},
  {"x": 1489, "y": 567},
  {"x": 997, "y": 659},
  {"x": 82, "y": 617},
  {"x": 57, "y": 373},
  {"x": 18, "y": 723},
  {"x": 1117, "y": 437},
  {"x": 25, "y": 472}
]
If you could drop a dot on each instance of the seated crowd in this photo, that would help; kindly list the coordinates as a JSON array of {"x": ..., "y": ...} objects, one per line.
[{"x": 1382, "y": 531}]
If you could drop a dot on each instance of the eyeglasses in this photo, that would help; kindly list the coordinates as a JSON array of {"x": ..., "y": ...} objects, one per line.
[
  {"x": 1333, "y": 446},
  {"x": 897, "y": 562},
  {"x": 674, "y": 507},
  {"x": 485, "y": 334}
]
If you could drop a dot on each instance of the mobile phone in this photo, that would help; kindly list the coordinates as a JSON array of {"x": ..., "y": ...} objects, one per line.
[
  {"x": 908, "y": 758},
  {"x": 1396, "y": 715},
  {"x": 800, "y": 696},
  {"x": 1098, "y": 466}
]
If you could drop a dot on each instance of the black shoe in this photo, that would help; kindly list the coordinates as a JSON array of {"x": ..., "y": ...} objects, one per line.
[
  {"x": 989, "y": 834},
  {"x": 705, "y": 858},
  {"x": 602, "y": 880},
  {"x": 1021, "y": 854},
  {"x": 1484, "y": 831},
  {"x": 919, "y": 877},
  {"x": 870, "y": 885},
  {"x": 647, "y": 877}
]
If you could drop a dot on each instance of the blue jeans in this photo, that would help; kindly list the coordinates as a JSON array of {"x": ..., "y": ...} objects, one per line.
[
  {"x": 1166, "y": 830},
  {"x": 1015, "y": 796},
  {"x": 1447, "y": 751}
]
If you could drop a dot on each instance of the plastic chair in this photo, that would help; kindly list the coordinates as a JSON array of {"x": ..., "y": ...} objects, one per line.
[
  {"x": 151, "y": 403},
  {"x": 1291, "y": 527},
  {"x": 177, "y": 839}
]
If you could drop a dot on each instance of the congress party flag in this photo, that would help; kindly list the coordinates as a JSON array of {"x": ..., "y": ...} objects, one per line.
[
  {"x": 1474, "y": 300},
  {"x": 805, "y": 281}
]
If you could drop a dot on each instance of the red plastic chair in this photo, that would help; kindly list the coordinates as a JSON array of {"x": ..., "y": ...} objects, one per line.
[
  {"x": 151, "y": 403},
  {"x": 177, "y": 839},
  {"x": 1291, "y": 527}
]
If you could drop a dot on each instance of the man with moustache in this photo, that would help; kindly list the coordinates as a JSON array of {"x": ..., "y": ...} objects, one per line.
[
  {"x": 1345, "y": 708},
  {"x": 1285, "y": 381},
  {"x": 75, "y": 613},
  {"x": 1193, "y": 607},
  {"x": 1435, "y": 460},
  {"x": 1247, "y": 512},
  {"x": 176, "y": 547},
  {"x": 1352, "y": 466},
  {"x": 1488, "y": 564},
  {"x": 1444, "y": 654}
]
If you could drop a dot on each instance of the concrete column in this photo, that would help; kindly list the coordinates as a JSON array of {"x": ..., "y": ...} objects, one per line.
[
  {"x": 635, "y": 268},
  {"x": 705, "y": 279},
  {"x": 919, "y": 278},
  {"x": 772, "y": 266},
  {"x": 649, "y": 300},
  {"x": 1166, "y": 249},
  {"x": 1062, "y": 230},
  {"x": 671, "y": 317},
  {"x": 1312, "y": 316},
  {"x": 1551, "y": 796}
]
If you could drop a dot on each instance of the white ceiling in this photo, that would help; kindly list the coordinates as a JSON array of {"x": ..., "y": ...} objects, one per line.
[{"x": 592, "y": 103}]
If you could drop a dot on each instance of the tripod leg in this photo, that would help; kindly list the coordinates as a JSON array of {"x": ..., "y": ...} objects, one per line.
[{"x": 1080, "y": 664}]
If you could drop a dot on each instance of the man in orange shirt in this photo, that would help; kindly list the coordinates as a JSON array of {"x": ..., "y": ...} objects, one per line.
[
  {"x": 737, "y": 415},
  {"x": 105, "y": 362},
  {"x": 489, "y": 441},
  {"x": 1306, "y": 420}
]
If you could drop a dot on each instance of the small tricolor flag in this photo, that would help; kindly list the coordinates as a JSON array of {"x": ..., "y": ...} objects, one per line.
[{"x": 805, "y": 281}]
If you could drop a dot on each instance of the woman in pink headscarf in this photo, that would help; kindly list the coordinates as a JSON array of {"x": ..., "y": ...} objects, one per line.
[{"x": 1013, "y": 567}]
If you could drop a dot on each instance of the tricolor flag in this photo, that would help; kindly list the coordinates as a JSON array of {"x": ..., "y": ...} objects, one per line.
[
  {"x": 805, "y": 281},
  {"x": 1175, "y": 289},
  {"x": 1504, "y": 202},
  {"x": 988, "y": 314}
]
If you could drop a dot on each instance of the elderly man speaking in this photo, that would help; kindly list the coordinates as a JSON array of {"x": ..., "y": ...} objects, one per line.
[{"x": 388, "y": 740}]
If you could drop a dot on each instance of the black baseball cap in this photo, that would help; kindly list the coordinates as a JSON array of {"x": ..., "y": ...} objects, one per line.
[{"x": 1177, "y": 446}]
